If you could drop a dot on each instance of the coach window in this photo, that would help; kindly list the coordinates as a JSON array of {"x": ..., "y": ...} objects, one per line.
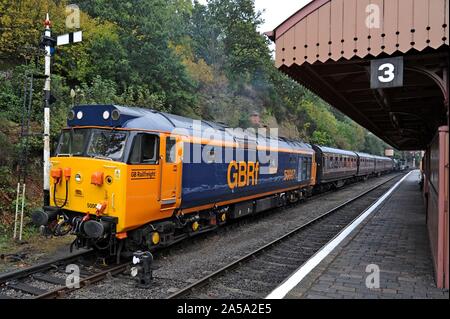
[
  {"x": 171, "y": 145},
  {"x": 304, "y": 168},
  {"x": 308, "y": 169},
  {"x": 145, "y": 149}
]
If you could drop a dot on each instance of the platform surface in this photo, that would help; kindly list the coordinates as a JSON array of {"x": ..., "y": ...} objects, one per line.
[{"x": 394, "y": 239}]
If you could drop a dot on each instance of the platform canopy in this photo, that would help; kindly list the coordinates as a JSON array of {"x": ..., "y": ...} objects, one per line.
[{"x": 384, "y": 63}]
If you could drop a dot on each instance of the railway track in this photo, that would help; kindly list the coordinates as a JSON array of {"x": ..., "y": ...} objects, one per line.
[
  {"x": 48, "y": 280},
  {"x": 259, "y": 272}
]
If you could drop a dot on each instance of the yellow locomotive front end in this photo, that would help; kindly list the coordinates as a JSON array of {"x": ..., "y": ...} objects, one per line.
[
  {"x": 88, "y": 185},
  {"x": 104, "y": 181}
]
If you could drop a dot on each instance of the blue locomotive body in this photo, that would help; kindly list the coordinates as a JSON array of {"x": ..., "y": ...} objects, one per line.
[{"x": 213, "y": 181}]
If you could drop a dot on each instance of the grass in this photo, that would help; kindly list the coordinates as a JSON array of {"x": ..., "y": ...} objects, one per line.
[{"x": 33, "y": 246}]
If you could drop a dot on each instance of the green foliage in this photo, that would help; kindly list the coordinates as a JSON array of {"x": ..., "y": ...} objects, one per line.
[
  {"x": 99, "y": 91},
  {"x": 373, "y": 145},
  {"x": 145, "y": 30},
  {"x": 201, "y": 61},
  {"x": 5, "y": 156},
  {"x": 321, "y": 138},
  {"x": 204, "y": 61},
  {"x": 141, "y": 95},
  {"x": 206, "y": 34},
  {"x": 10, "y": 100}
]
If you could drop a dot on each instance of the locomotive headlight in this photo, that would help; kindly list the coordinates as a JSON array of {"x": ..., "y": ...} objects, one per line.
[
  {"x": 105, "y": 115},
  {"x": 78, "y": 177},
  {"x": 79, "y": 115},
  {"x": 71, "y": 115},
  {"x": 115, "y": 114}
]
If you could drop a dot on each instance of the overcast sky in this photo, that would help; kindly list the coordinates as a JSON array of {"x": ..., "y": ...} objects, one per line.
[{"x": 275, "y": 11}]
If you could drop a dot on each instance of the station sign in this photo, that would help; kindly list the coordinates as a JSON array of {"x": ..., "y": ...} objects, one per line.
[{"x": 386, "y": 73}]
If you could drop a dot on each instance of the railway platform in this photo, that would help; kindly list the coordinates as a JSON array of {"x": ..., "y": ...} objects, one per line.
[{"x": 386, "y": 256}]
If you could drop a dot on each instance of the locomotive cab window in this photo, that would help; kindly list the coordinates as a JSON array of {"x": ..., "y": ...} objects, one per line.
[
  {"x": 72, "y": 142},
  {"x": 305, "y": 168},
  {"x": 108, "y": 144},
  {"x": 144, "y": 149},
  {"x": 97, "y": 143},
  {"x": 308, "y": 170},
  {"x": 171, "y": 147}
]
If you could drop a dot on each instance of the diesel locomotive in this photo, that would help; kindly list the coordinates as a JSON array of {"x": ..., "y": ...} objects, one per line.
[{"x": 126, "y": 178}]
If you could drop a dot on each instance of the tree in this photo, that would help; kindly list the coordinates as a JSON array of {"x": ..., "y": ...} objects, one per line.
[
  {"x": 206, "y": 36},
  {"x": 146, "y": 28},
  {"x": 246, "y": 51}
]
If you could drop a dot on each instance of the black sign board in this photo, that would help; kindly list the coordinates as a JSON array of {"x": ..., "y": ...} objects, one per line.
[{"x": 386, "y": 73}]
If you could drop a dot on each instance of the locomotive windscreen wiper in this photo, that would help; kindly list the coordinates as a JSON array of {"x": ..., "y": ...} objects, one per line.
[{"x": 102, "y": 157}]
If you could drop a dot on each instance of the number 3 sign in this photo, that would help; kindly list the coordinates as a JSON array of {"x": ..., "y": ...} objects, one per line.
[{"x": 386, "y": 73}]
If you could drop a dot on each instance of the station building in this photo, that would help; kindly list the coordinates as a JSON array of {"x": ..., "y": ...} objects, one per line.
[{"x": 383, "y": 63}]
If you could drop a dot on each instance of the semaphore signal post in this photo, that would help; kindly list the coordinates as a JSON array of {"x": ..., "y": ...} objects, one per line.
[{"x": 49, "y": 44}]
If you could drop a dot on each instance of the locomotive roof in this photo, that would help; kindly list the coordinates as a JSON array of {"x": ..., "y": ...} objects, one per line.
[
  {"x": 326, "y": 149},
  {"x": 148, "y": 119},
  {"x": 382, "y": 157},
  {"x": 360, "y": 154}
]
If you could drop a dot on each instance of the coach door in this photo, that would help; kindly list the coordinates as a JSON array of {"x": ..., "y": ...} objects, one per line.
[{"x": 170, "y": 172}]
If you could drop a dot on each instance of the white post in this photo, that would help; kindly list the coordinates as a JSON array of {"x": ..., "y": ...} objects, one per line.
[
  {"x": 21, "y": 212},
  {"x": 47, "y": 33},
  {"x": 17, "y": 211}
]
